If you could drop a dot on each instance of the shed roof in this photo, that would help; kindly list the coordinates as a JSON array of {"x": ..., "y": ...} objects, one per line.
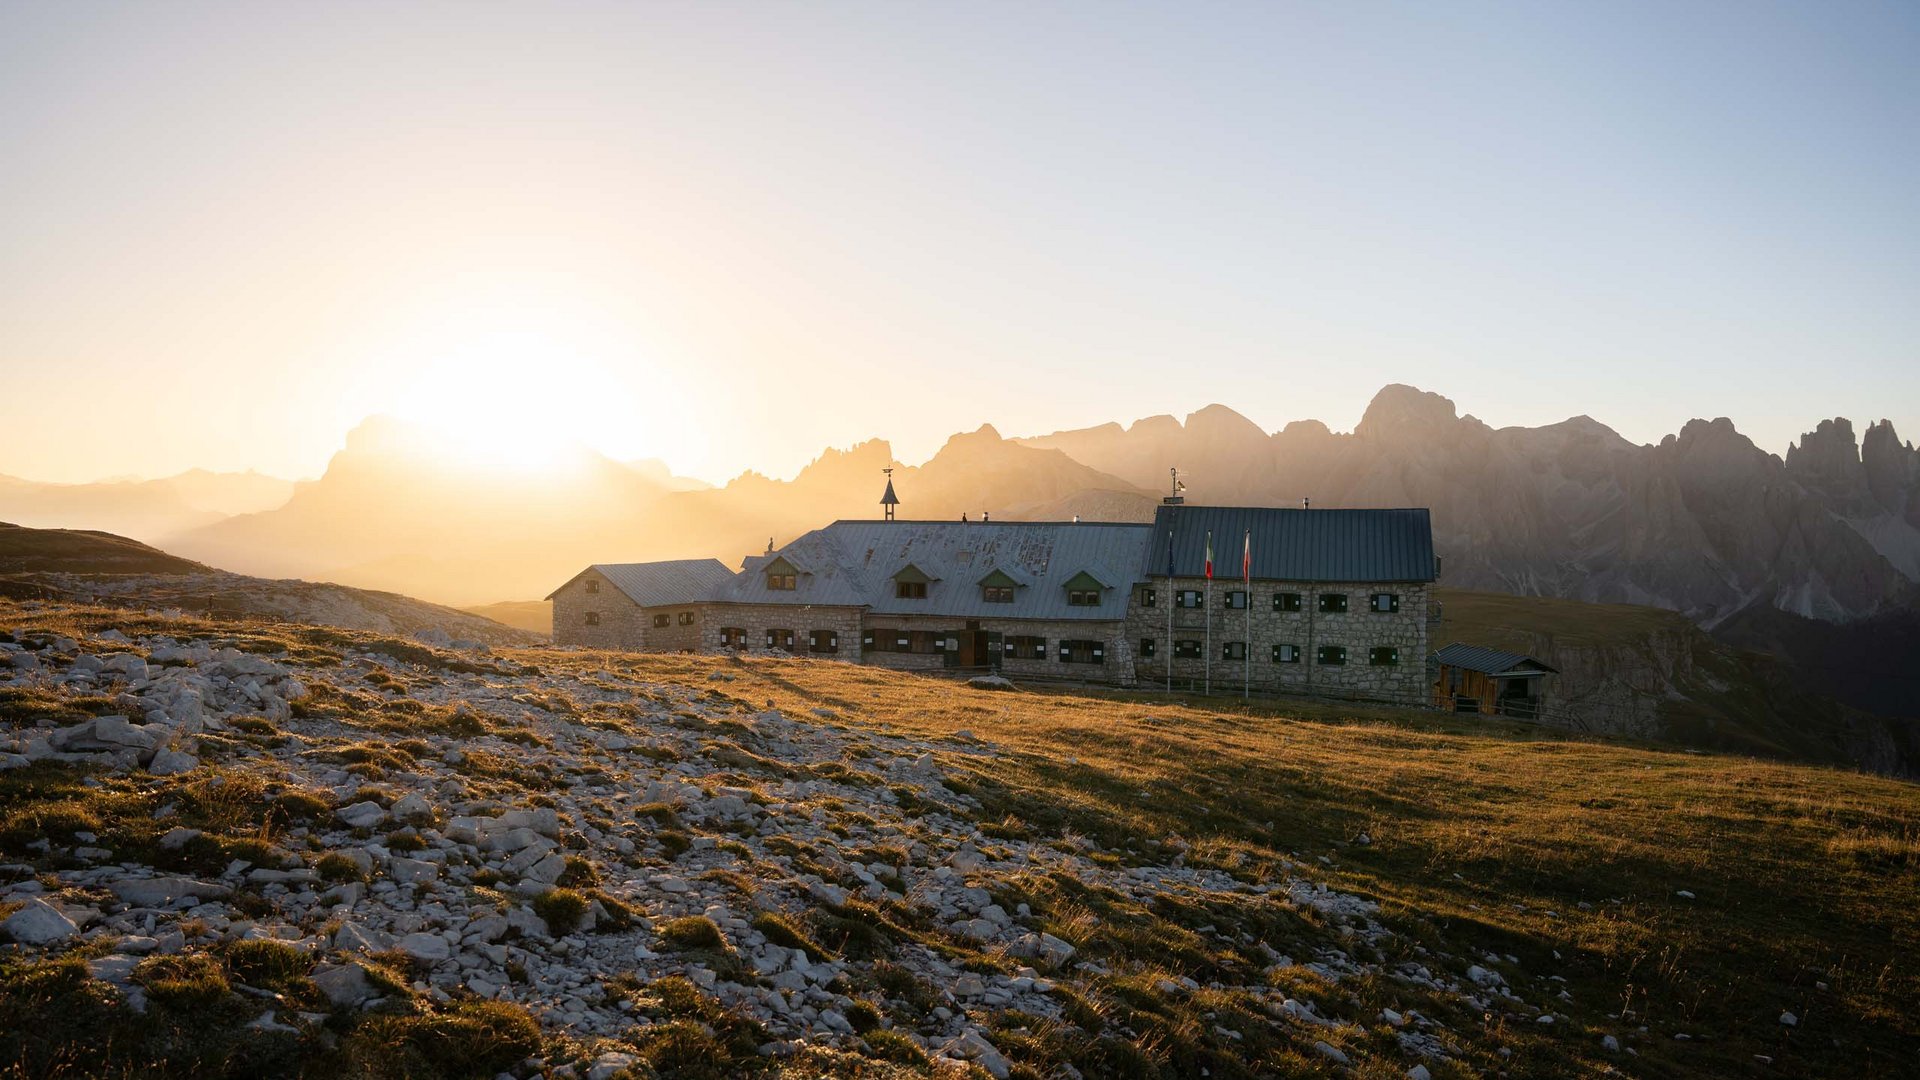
[
  {"x": 1293, "y": 545},
  {"x": 854, "y": 564},
  {"x": 1489, "y": 661},
  {"x": 660, "y": 584}
]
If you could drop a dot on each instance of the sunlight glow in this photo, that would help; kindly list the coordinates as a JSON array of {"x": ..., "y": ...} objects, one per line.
[{"x": 533, "y": 389}]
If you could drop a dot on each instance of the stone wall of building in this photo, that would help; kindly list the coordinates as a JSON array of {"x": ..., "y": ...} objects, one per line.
[
  {"x": 802, "y": 619},
  {"x": 621, "y": 622},
  {"x": 1117, "y": 666},
  {"x": 1360, "y": 629}
]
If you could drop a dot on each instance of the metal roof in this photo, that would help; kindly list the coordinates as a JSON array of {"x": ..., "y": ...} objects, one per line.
[
  {"x": 1294, "y": 545},
  {"x": 661, "y": 584},
  {"x": 1488, "y": 661},
  {"x": 853, "y": 563}
]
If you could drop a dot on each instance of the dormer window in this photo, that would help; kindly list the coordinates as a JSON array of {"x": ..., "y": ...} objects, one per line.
[
  {"x": 997, "y": 588},
  {"x": 1084, "y": 590},
  {"x": 782, "y": 576},
  {"x": 911, "y": 583}
]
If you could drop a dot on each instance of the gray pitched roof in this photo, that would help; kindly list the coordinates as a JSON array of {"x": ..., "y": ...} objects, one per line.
[
  {"x": 661, "y": 584},
  {"x": 1294, "y": 545},
  {"x": 853, "y": 563},
  {"x": 1490, "y": 661}
]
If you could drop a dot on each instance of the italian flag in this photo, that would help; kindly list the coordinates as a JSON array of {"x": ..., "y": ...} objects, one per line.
[{"x": 1209, "y": 554}]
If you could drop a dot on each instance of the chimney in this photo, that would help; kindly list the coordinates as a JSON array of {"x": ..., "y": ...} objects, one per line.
[{"x": 1306, "y": 503}]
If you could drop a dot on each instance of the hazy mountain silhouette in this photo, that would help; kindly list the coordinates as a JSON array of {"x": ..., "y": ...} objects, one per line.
[
  {"x": 395, "y": 510},
  {"x": 148, "y": 510},
  {"x": 1704, "y": 523}
]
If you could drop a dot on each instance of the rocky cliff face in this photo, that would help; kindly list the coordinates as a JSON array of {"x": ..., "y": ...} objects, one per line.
[{"x": 1705, "y": 523}]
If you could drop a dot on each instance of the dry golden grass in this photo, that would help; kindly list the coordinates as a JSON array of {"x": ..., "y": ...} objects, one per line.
[{"x": 1507, "y": 837}]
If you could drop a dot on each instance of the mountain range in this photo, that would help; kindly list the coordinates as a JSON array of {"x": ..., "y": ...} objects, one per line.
[{"x": 1704, "y": 522}]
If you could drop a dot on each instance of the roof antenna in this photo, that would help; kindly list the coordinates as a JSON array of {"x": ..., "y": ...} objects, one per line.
[{"x": 1175, "y": 498}]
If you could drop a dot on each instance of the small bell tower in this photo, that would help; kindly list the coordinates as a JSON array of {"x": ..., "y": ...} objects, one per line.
[{"x": 889, "y": 500}]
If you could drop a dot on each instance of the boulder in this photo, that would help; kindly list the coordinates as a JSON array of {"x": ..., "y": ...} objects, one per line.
[
  {"x": 162, "y": 891},
  {"x": 172, "y": 763},
  {"x": 431, "y": 947},
  {"x": 362, "y": 815},
  {"x": 38, "y": 923},
  {"x": 411, "y": 807},
  {"x": 344, "y": 984}
]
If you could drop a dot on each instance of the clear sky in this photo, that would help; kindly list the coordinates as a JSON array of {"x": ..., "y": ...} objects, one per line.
[{"x": 731, "y": 234}]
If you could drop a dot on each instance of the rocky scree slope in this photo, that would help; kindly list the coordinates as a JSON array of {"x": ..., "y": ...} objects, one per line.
[{"x": 270, "y": 853}]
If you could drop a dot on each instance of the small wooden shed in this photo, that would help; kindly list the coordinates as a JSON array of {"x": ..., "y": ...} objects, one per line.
[{"x": 1476, "y": 679}]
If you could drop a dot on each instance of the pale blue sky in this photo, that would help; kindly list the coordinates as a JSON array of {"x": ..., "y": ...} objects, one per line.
[{"x": 732, "y": 234}]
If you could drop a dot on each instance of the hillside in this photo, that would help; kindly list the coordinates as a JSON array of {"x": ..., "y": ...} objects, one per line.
[
  {"x": 1641, "y": 671},
  {"x": 92, "y": 567},
  {"x": 331, "y": 853},
  {"x": 79, "y": 551}
]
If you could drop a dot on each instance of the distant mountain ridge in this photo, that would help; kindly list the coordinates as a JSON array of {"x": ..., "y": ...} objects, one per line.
[{"x": 1704, "y": 523}]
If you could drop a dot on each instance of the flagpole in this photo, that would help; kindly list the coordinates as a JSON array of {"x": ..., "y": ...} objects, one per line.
[
  {"x": 1246, "y": 575},
  {"x": 1206, "y": 660},
  {"x": 1171, "y": 597}
]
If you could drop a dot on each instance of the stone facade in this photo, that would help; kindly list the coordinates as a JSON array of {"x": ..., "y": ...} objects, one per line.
[
  {"x": 1116, "y": 660},
  {"x": 842, "y": 623},
  {"x": 590, "y": 611},
  {"x": 1359, "y": 630}
]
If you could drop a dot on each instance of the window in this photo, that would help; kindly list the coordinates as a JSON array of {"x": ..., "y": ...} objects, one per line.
[
  {"x": 593, "y": 618},
  {"x": 1333, "y": 603},
  {"x": 1189, "y": 598},
  {"x": 1083, "y": 652},
  {"x": 1383, "y": 656},
  {"x": 1384, "y": 602},
  {"x": 593, "y": 585},
  {"x": 1331, "y": 655},
  {"x": 1186, "y": 650},
  {"x": 1146, "y": 647},
  {"x": 823, "y": 641},
  {"x": 1149, "y": 598},
  {"x": 1286, "y": 654},
  {"x": 661, "y": 619},
  {"x": 902, "y": 641},
  {"x": 780, "y": 639},
  {"x": 867, "y": 642},
  {"x": 1286, "y": 601},
  {"x": 783, "y": 582},
  {"x": 997, "y": 594},
  {"x": 910, "y": 590},
  {"x": 1237, "y": 599},
  {"x": 1233, "y": 650},
  {"x": 686, "y": 618},
  {"x": 733, "y": 637},
  {"x": 1083, "y": 597},
  {"x": 926, "y": 641},
  {"x": 1025, "y": 648}
]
